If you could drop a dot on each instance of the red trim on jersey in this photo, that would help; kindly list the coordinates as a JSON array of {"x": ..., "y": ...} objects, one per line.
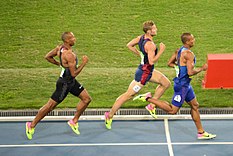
[{"x": 146, "y": 72}]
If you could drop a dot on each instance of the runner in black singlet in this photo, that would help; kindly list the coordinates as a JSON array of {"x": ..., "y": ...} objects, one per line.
[{"x": 66, "y": 83}]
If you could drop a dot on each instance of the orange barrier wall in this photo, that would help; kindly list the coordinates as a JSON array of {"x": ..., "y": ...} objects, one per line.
[{"x": 220, "y": 72}]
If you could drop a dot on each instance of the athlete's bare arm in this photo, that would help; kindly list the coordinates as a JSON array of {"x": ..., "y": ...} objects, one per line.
[
  {"x": 71, "y": 62},
  {"x": 173, "y": 60},
  {"x": 50, "y": 56},
  {"x": 189, "y": 57},
  {"x": 150, "y": 49},
  {"x": 81, "y": 66},
  {"x": 131, "y": 45}
]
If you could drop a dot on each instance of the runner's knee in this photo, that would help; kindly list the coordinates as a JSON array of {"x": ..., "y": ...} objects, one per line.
[
  {"x": 129, "y": 95},
  {"x": 167, "y": 84},
  {"x": 51, "y": 104},
  {"x": 172, "y": 109},
  {"x": 173, "y": 112},
  {"x": 87, "y": 100},
  {"x": 195, "y": 106}
]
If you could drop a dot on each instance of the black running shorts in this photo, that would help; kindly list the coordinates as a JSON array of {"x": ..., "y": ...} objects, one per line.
[{"x": 63, "y": 88}]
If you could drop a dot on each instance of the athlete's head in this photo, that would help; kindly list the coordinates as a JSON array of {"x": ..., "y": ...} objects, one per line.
[
  {"x": 188, "y": 39},
  {"x": 68, "y": 37},
  {"x": 150, "y": 27}
]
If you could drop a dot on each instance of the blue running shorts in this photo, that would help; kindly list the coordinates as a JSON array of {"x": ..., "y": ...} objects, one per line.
[{"x": 181, "y": 94}]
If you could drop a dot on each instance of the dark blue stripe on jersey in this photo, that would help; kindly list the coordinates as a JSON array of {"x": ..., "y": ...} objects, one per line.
[{"x": 141, "y": 45}]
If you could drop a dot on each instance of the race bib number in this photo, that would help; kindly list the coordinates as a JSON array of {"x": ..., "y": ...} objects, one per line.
[
  {"x": 136, "y": 88},
  {"x": 177, "y": 98}
]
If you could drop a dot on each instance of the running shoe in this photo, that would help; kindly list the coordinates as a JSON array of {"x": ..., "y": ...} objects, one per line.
[
  {"x": 206, "y": 136},
  {"x": 29, "y": 131},
  {"x": 73, "y": 126},
  {"x": 108, "y": 121},
  {"x": 142, "y": 97},
  {"x": 151, "y": 110}
]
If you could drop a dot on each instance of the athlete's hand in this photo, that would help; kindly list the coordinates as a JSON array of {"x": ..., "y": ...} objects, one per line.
[
  {"x": 162, "y": 47},
  {"x": 85, "y": 59},
  {"x": 205, "y": 67}
]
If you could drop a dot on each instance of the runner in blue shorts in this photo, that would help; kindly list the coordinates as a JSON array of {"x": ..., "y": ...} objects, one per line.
[
  {"x": 145, "y": 72},
  {"x": 183, "y": 60}
]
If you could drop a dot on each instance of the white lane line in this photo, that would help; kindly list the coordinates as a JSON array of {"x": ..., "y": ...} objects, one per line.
[
  {"x": 202, "y": 143},
  {"x": 168, "y": 137},
  {"x": 94, "y": 144},
  {"x": 118, "y": 144}
]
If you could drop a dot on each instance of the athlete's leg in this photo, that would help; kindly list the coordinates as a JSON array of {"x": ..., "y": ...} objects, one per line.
[
  {"x": 133, "y": 88},
  {"x": 164, "y": 105},
  {"x": 163, "y": 84},
  {"x": 43, "y": 111},
  {"x": 162, "y": 81},
  {"x": 196, "y": 115},
  {"x": 78, "y": 90},
  {"x": 192, "y": 101},
  {"x": 202, "y": 134},
  {"x": 82, "y": 105},
  {"x": 57, "y": 97},
  {"x": 177, "y": 100}
]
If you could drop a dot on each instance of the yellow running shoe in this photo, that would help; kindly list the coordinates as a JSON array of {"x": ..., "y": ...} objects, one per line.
[
  {"x": 73, "y": 126},
  {"x": 205, "y": 136},
  {"x": 108, "y": 121},
  {"x": 143, "y": 97},
  {"x": 152, "y": 111},
  {"x": 29, "y": 131}
]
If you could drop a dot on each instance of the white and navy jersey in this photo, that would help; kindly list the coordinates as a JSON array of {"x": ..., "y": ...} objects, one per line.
[
  {"x": 144, "y": 71},
  {"x": 144, "y": 55}
]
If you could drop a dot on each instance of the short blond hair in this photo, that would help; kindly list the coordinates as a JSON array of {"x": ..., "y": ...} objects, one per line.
[{"x": 147, "y": 25}]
